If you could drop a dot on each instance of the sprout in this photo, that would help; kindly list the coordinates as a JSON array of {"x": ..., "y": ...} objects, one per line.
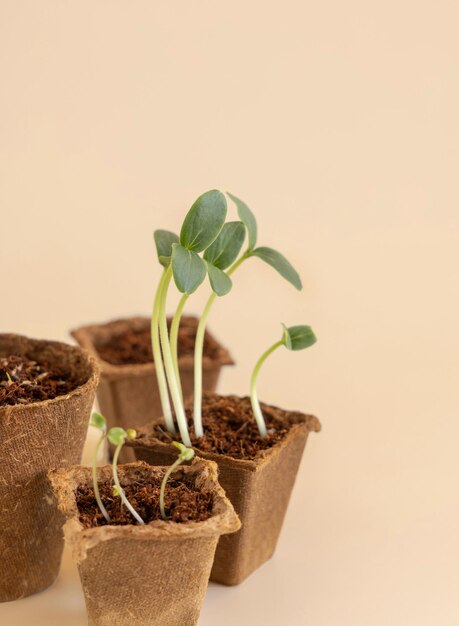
[
  {"x": 186, "y": 454},
  {"x": 10, "y": 380},
  {"x": 181, "y": 260},
  {"x": 117, "y": 436},
  {"x": 223, "y": 252},
  {"x": 98, "y": 421},
  {"x": 293, "y": 338}
]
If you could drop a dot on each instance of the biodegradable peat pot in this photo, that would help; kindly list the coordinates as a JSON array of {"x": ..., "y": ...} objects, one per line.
[
  {"x": 152, "y": 575},
  {"x": 35, "y": 438},
  {"x": 258, "y": 488},
  {"x": 128, "y": 393}
]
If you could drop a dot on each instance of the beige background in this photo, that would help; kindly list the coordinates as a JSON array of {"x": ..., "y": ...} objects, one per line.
[{"x": 337, "y": 122}]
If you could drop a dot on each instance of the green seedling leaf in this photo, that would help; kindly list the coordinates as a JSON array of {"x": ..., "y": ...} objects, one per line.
[
  {"x": 98, "y": 421},
  {"x": 164, "y": 239},
  {"x": 115, "y": 491},
  {"x": 220, "y": 282},
  {"x": 186, "y": 454},
  {"x": 224, "y": 250},
  {"x": 188, "y": 268},
  {"x": 116, "y": 435},
  {"x": 204, "y": 221},
  {"x": 131, "y": 433},
  {"x": 248, "y": 218},
  {"x": 280, "y": 264},
  {"x": 299, "y": 337}
]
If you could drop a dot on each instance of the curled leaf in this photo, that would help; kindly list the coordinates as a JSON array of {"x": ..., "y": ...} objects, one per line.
[
  {"x": 298, "y": 337},
  {"x": 280, "y": 264},
  {"x": 116, "y": 435},
  {"x": 248, "y": 218}
]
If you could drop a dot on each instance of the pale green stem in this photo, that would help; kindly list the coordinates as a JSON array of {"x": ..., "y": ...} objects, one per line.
[
  {"x": 169, "y": 365},
  {"x": 158, "y": 359},
  {"x": 163, "y": 486},
  {"x": 198, "y": 353},
  {"x": 253, "y": 390},
  {"x": 121, "y": 493},
  {"x": 94, "y": 480},
  {"x": 174, "y": 338}
]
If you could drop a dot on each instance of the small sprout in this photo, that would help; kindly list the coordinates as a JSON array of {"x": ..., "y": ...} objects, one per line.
[
  {"x": 115, "y": 491},
  {"x": 98, "y": 421},
  {"x": 293, "y": 338},
  {"x": 117, "y": 436},
  {"x": 186, "y": 454},
  {"x": 10, "y": 380}
]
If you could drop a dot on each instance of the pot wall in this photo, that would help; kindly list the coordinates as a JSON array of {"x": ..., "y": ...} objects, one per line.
[
  {"x": 259, "y": 490},
  {"x": 34, "y": 439}
]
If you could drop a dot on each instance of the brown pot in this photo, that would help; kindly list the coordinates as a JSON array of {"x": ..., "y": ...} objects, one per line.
[
  {"x": 258, "y": 489},
  {"x": 153, "y": 575},
  {"x": 128, "y": 394},
  {"x": 35, "y": 438}
]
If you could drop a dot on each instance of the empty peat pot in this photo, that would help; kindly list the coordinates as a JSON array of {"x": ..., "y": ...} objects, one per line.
[
  {"x": 258, "y": 480},
  {"x": 37, "y": 435},
  {"x": 128, "y": 393},
  {"x": 151, "y": 575}
]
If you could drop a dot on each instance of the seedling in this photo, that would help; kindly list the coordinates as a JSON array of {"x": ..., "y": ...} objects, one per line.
[
  {"x": 203, "y": 231},
  {"x": 268, "y": 255},
  {"x": 180, "y": 258},
  {"x": 98, "y": 421},
  {"x": 293, "y": 338},
  {"x": 186, "y": 454},
  {"x": 117, "y": 437}
]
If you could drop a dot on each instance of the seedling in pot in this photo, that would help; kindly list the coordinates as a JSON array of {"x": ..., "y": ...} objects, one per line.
[
  {"x": 98, "y": 421},
  {"x": 186, "y": 454},
  {"x": 203, "y": 230},
  {"x": 117, "y": 437},
  {"x": 180, "y": 259},
  {"x": 293, "y": 338},
  {"x": 220, "y": 253}
]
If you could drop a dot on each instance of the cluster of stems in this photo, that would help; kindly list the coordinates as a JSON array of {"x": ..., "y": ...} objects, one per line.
[
  {"x": 203, "y": 231},
  {"x": 116, "y": 436}
]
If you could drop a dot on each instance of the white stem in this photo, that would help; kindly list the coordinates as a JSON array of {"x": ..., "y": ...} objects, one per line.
[
  {"x": 94, "y": 480},
  {"x": 169, "y": 365},
  {"x": 120, "y": 489},
  {"x": 253, "y": 390},
  {"x": 163, "y": 487}
]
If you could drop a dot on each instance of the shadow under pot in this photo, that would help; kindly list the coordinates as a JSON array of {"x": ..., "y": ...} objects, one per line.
[
  {"x": 257, "y": 474},
  {"x": 128, "y": 393},
  {"x": 47, "y": 391},
  {"x": 151, "y": 575}
]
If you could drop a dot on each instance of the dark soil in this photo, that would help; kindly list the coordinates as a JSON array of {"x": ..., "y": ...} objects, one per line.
[
  {"x": 230, "y": 428},
  {"x": 183, "y": 502},
  {"x": 23, "y": 381},
  {"x": 133, "y": 346}
]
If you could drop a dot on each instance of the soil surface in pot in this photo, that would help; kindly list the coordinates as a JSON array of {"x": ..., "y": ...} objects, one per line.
[
  {"x": 183, "y": 502},
  {"x": 230, "y": 428},
  {"x": 23, "y": 381},
  {"x": 133, "y": 346}
]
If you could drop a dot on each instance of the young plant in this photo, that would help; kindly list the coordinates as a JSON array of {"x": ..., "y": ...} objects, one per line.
[
  {"x": 180, "y": 259},
  {"x": 98, "y": 421},
  {"x": 222, "y": 251},
  {"x": 117, "y": 437},
  {"x": 186, "y": 454},
  {"x": 293, "y": 338}
]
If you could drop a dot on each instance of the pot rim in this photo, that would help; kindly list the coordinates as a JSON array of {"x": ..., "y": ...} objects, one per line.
[
  {"x": 92, "y": 381},
  {"x": 302, "y": 424},
  {"x": 85, "y": 336},
  {"x": 65, "y": 480}
]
